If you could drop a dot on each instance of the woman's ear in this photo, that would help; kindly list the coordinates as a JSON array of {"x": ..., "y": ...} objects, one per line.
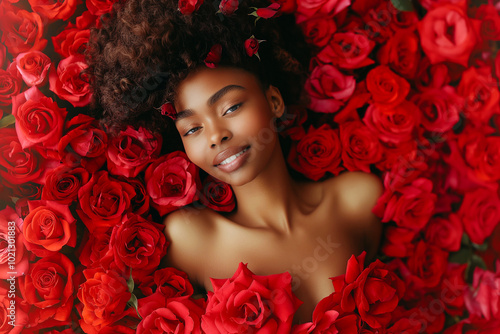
[{"x": 275, "y": 100}]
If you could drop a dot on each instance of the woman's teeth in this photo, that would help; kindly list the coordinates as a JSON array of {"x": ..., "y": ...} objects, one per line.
[{"x": 233, "y": 157}]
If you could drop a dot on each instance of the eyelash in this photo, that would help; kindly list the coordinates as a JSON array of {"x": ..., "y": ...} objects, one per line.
[{"x": 236, "y": 106}]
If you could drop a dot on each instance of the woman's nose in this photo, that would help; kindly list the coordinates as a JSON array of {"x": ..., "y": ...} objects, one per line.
[{"x": 218, "y": 134}]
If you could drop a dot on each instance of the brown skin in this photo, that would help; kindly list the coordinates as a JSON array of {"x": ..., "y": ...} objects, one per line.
[{"x": 309, "y": 229}]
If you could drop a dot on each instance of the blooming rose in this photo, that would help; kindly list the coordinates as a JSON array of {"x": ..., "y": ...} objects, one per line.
[
  {"x": 387, "y": 88},
  {"x": 11, "y": 241},
  {"x": 431, "y": 76},
  {"x": 48, "y": 227},
  {"x": 398, "y": 241},
  {"x": 138, "y": 244},
  {"x": 96, "y": 247},
  {"x": 319, "y": 31},
  {"x": 445, "y": 232},
  {"x": 248, "y": 303},
  {"x": 176, "y": 315},
  {"x": 39, "y": 120},
  {"x": 62, "y": 183},
  {"x": 104, "y": 296},
  {"x": 169, "y": 282},
  {"x": 18, "y": 166},
  {"x": 453, "y": 288},
  {"x": 401, "y": 53},
  {"x": 71, "y": 41},
  {"x": 426, "y": 267},
  {"x": 99, "y": 7},
  {"x": 481, "y": 94},
  {"x": 328, "y": 88},
  {"x": 347, "y": 50},
  {"x": 437, "y": 42},
  {"x": 187, "y": 7},
  {"x": 10, "y": 86},
  {"x": 490, "y": 22},
  {"x": 69, "y": 83},
  {"x": 480, "y": 213},
  {"x": 483, "y": 298},
  {"x": 172, "y": 182},
  {"x": 131, "y": 150},
  {"x": 228, "y": 7},
  {"x": 361, "y": 148},
  {"x": 17, "y": 313},
  {"x": 440, "y": 108},
  {"x": 139, "y": 204},
  {"x": 49, "y": 288},
  {"x": 84, "y": 143},
  {"x": 410, "y": 206},
  {"x": 61, "y": 10},
  {"x": 317, "y": 153},
  {"x": 103, "y": 201},
  {"x": 314, "y": 8},
  {"x": 33, "y": 67},
  {"x": 375, "y": 291},
  {"x": 217, "y": 195},
  {"x": 22, "y": 30}
]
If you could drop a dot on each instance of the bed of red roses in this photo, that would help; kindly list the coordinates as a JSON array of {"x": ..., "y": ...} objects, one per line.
[{"x": 410, "y": 94}]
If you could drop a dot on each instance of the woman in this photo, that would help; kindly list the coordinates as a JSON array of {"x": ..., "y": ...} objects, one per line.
[{"x": 225, "y": 100}]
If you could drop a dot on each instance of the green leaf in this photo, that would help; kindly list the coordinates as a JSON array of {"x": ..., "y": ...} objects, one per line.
[
  {"x": 482, "y": 248},
  {"x": 465, "y": 240},
  {"x": 130, "y": 282},
  {"x": 403, "y": 5},
  {"x": 463, "y": 255},
  {"x": 132, "y": 302},
  {"x": 475, "y": 261},
  {"x": 7, "y": 120}
]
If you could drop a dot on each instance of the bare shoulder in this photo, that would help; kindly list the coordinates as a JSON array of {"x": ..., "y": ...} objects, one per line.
[{"x": 189, "y": 232}]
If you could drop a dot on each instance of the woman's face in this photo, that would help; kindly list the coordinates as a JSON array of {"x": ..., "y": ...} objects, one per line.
[{"x": 226, "y": 120}]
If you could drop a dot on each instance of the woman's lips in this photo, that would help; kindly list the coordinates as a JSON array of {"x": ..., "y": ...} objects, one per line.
[{"x": 234, "y": 161}]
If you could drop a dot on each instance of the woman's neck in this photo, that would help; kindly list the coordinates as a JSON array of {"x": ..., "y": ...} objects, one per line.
[{"x": 269, "y": 200}]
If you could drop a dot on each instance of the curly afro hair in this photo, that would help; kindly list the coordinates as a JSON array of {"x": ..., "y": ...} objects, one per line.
[{"x": 145, "y": 48}]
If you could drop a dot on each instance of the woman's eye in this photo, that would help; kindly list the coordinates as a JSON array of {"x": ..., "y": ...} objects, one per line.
[
  {"x": 232, "y": 109},
  {"x": 191, "y": 131}
]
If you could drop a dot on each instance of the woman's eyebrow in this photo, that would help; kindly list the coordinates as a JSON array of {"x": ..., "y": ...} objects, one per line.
[{"x": 211, "y": 101}]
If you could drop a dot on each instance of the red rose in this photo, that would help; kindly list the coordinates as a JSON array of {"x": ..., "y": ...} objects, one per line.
[
  {"x": 314, "y": 8},
  {"x": 18, "y": 313},
  {"x": 361, "y": 148},
  {"x": 177, "y": 315},
  {"x": 10, "y": 86},
  {"x": 401, "y": 53},
  {"x": 169, "y": 282},
  {"x": 328, "y": 88},
  {"x": 437, "y": 42},
  {"x": 131, "y": 150},
  {"x": 317, "y": 153},
  {"x": 22, "y": 30},
  {"x": 273, "y": 10},
  {"x": 104, "y": 296},
  {"x": 172, "y": 182},
  {"x": 445, "y": 232},
  {"x": 63, "y": 182},
  {"x": 287, "y": 6},
  {"x": 480, "y": 213},
  {"x": 483, "y": 298},
  {"x": 58, "y": 11},
  {"x": 247, "y": 303},
  {"x": 252, "y": 46},
  {"x": 393, "y": 125},
  {"x": 453, "y": 288},
  {"x": 11, "y": 241},
  {"x": 431, "y": 76},
  {"x": 290, "y": 124},
  {"x": 319, "y": 31},
  {"x": 440, "y": 108},
  {"x": 48, "y": 287},
  {"x": 39, "y": 120},
  {"x": 84, "y": 143},
  {"x": 18, "y": 166},
  {"x": 480, "y": 91},
  {"x": 386, "y": 87},
  {"x": 214, "y": 55},
  {"x": 71, "y": 41},
  {"x": 187, "y": 7},
  {"x": 69, "y": 83},
  {"x": 138, "y": 244},
  {"x": 410, "y": 206},
  {"x": 228, "y": 7},
  {"x": 347, "y": 50},
  {"x": 217, "y": 195},
  {"x": 33, "y": 67},
  {"x": 95, "y": 248},
  {"x": 103, "y": 201},
  {"x": 490, "y": 22},
  {"x": 398, "y": 241},
  {"x": 48, "y": 227},
  {"x": 99, "y": 7},
  {"x": 426, "y": 265}
]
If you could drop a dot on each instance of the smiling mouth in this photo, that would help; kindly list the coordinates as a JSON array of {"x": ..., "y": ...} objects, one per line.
[{"x": 233, "y": 157}]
